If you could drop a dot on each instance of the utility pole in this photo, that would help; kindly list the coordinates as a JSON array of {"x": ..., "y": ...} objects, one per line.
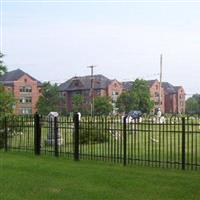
[
  {"x": 160, "y": 95},
  {"x": 92, "y": 89}
]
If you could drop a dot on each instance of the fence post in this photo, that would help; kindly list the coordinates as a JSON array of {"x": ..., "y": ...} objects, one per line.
[
  {"x": 37, "y": 134},
  {"x": 183, "y": 143},
  {"x": 124, "y": 139},
  {"x": 56, "y": 135},
  {"x": 76, "y": 137},
  {"x": 5, "y": 134}
]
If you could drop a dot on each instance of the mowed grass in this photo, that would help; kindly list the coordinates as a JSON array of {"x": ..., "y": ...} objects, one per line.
[{"x": 25, "y": 176}]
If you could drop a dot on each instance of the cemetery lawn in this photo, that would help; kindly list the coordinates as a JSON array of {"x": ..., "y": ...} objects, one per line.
[{"x": 25, "y": 176}]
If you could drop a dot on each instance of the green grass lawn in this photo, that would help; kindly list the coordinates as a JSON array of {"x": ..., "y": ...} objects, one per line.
[{"x": 24, "y": 176}]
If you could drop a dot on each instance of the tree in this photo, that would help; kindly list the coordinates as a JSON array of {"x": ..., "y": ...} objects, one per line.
[
  {"x": 124, "y": 102},
  {"x": 193, "y": 104},
  {"x": 138, "y": 98},
  {"x": 102, "y": 105},
  {"x": 7, "y": 102},
  {"x": 3, "y": 68},
  {"x": 50, "y": 100},
  {"x": 77, "y": 101}
]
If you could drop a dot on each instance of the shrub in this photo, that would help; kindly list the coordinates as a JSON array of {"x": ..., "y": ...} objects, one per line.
[{"x": 91, "y": 132}]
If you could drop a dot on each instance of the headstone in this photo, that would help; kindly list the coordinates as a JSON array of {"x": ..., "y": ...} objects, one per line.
[
  {"x": 158, "y": 115},
  {"x": 51, "y": 130},
  {"x": 79, "y": 116}
]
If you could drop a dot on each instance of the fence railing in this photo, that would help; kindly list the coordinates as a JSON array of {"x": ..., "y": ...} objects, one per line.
[{"x": 173, "y": 142}]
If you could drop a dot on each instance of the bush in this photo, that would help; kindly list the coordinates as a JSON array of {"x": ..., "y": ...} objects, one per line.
[{"x": 91, "y": 132}]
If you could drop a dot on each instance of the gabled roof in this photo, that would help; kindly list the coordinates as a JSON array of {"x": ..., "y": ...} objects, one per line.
[
  {"x": 177, "y": 88},
  {"x": 9, "y": 77},
  {"x": 84, "y": 83},
  {"x": 169, "y": 88},
  {"x": 127, "y": 85},
  {"x": 151, "y": 82}
]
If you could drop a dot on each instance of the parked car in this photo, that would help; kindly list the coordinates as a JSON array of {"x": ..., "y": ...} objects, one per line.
[{"x": 134, "y": 115}]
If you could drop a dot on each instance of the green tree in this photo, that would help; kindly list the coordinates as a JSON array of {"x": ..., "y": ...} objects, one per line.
[
  {"x": 7, "y": 102},
  {"x": 102, "y": 105},
  {"x": 50, "y": 100},
  {"x": 138, "y": 98},
  {"x": 3, "y": 68},
  {"x": 77, "y": 102},
  {"x": 193, "y": 104},
  {"x": 124, "y": 102}
]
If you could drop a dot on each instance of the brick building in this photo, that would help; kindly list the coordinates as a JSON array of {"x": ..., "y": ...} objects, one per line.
[
  {"x": 172, "y": 97},
  {"x": 25, "y": 89},
  {"x": 102, "y": 86},
  {"x": 154, "y": 88}
]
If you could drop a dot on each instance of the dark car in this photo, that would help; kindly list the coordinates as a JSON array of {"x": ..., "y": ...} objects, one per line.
[{"x": 135, "y": 114}]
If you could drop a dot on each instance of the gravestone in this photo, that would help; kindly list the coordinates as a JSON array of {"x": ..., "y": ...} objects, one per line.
[{"x": 51, "y": 130}]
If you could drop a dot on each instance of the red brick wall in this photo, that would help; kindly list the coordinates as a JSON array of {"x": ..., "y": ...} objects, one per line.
[
  {"x": 180, "y": 98},
  {"x": 170, "y": 103},
  {"x": 114, "y": 86},
  {"x": 155, "y": 89},
  {"x": 26, "y": 81}
]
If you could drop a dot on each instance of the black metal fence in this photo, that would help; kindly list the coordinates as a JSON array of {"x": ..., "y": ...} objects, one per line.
[{"x": 172, "y": 142}]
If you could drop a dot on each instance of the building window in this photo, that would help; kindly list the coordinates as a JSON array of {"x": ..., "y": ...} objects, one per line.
[
  {"x": 25, "y": 111},
  {"x": 25, "y": 89},
  {"x": 156, "y": 87},
  {"x": 25, "y": 100},
  {"x": 115, "y": 93},
  {"x": 157, "y": 94}
]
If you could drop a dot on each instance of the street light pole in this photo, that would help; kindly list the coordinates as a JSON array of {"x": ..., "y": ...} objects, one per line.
[
  {"x": 92, "y": 90},
  {"x": 160, "y": 95}
]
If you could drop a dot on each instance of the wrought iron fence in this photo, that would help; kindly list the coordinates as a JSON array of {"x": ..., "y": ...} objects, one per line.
[{"x": 172, "y": 142}]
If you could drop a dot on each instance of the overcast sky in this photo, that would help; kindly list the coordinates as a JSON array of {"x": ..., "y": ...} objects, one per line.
[{"x": 55, "y": 41}]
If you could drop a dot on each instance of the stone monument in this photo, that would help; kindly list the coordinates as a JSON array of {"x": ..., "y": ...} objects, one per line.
[{"x": 51, "y": 130}]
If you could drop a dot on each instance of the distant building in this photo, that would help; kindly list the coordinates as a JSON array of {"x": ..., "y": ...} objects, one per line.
[
  {"x": 102, "y": 86},
  {"x": 174, "y": 98},
  {"x": 154, "y": 89},
  {"x": 25, "y": 89}
]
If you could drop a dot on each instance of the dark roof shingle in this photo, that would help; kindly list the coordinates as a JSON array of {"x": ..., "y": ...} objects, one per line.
[
  {"x": 84, "y": 83},
  {"x": 9, "y": 77}
]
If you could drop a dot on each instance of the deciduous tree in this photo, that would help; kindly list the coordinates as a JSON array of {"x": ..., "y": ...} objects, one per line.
[
  {"x": 50, "y": 100},
  {"x": 193, "y": 104},
  {"x": 137, "y": 98},
  {"x": 102, "y": 105},
  {"x": 3, "y": 68}
]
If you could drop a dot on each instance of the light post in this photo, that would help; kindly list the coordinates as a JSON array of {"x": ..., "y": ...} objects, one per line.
[{"x": 91, "y": 89}]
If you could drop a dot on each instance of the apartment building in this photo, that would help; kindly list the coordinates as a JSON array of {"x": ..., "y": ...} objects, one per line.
[
  {"x": 90, "y": 87},
  {"x": 25, "y": 89},
  {"x": 174, "y": 98}
]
